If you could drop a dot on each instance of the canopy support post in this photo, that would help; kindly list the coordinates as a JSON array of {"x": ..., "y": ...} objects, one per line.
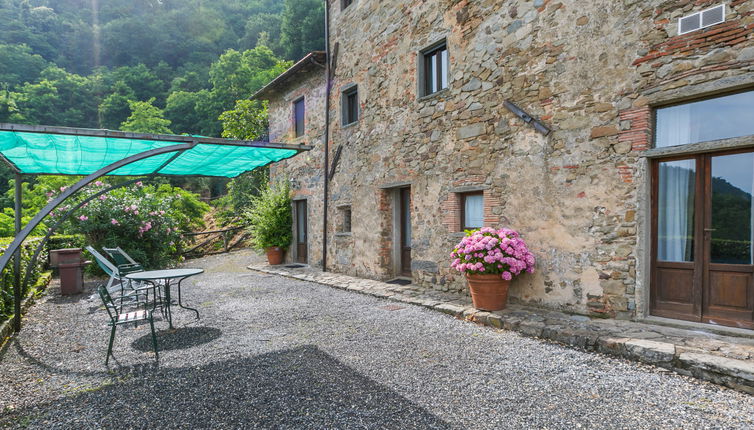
[{"x": 17, "y": 258}]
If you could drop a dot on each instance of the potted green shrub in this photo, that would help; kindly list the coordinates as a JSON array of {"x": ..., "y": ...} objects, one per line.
[
  {"x": 270, "y": 221},
  {"x": 490, "y": 259}
]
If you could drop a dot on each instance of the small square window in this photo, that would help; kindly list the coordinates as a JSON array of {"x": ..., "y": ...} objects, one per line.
[
  {"x": 344, "y": 224},
  {"x": 472, "y": 210},
  {"x": 299, "y": 115},
  {"x": 345, "y": 3},
  {"x": 435, "y": 69},
  {"x": 350, "y": 105}
]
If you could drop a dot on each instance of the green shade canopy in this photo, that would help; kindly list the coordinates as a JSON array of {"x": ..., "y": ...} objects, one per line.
[{"x": 83, "y": 152}]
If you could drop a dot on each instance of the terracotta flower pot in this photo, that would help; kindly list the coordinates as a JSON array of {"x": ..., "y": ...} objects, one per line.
[
  {"x": 488, "y": 292},
  {"x": 274, "y": 255}
]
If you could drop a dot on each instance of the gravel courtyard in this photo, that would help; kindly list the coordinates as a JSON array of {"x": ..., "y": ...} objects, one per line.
[{"x": 270, "y": 352}]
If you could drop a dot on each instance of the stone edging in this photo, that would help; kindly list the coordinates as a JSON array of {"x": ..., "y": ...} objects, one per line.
[
  {"x": 730, "y": 372},
  {"x": 6, "y": 328}
]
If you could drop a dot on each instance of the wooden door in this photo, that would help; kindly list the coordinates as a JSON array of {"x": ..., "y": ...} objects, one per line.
[
  {"x": 301, "y": 232},
  {"x": 703, "y": 239},
  {"x": 405, "y": 231},
  {"x": 728, "y": 293}
]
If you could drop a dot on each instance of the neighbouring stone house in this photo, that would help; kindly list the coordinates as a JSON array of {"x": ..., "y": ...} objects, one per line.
[{"x": 637, "y": 204}]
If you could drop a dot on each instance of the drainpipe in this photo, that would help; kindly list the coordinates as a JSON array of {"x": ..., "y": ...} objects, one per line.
[
  {"x": 17, "y": 260},
  {"x": 328, "y": 72}
]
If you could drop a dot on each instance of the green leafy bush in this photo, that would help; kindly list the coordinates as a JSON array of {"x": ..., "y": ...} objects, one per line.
[
  {"x": 270, "y": 218},
  {"x": 63, "y": 241},
  {"x": 8, "y": 275},
  {"x": 145, "y": 221}
]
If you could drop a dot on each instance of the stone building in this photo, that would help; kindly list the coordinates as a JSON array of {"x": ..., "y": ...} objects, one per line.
[{"x": 638, "y": 203}]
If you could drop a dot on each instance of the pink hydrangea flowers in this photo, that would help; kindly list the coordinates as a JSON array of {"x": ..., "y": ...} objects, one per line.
[{"x": 493, "y": 251}]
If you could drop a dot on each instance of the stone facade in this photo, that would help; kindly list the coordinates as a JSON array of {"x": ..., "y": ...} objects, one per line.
[{"x": 591, "y": 70}]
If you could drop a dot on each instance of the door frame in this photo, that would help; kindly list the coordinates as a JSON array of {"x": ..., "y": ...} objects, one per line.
[
  {"x": 294, "y": 245},
  {"x": 397, "y": 265},
  {"x": 702, "y": 245}
]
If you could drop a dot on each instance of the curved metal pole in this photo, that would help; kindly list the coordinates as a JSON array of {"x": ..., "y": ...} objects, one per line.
[
  {"x": 60, "y": 221},
  {"x": 17, "y": 260},
  {"x": 16, "y": 244}
]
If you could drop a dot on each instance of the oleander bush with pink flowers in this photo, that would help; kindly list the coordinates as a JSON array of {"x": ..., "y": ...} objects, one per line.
[
  {"x": 490, "y": 251},
  {"x": 145, "y": 220}
]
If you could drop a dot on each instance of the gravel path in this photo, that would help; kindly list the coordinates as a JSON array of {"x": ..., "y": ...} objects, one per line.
[{"x": 270, "y": 352}]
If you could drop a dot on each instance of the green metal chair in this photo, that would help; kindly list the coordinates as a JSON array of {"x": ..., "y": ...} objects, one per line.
[
  {"x": 129, "y": 293},
  {"x": 118, "y": 318},
  {"x": 123, "y": 261}
]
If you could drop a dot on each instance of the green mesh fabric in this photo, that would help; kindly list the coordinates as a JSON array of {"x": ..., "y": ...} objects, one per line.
[{"x": 54, "y": 154}]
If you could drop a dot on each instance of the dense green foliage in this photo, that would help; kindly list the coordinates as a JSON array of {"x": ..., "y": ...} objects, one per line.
[
  {"x": 248, "y": 121},
  {"x": 146, "y": 118},
  {"x": 146, "y": 221},
  {"x": 303, "y": 27},
  {"x": 269, "y": 218},
  {"x": 156, "y": 66},
  {"x": 8, "y": 275}
]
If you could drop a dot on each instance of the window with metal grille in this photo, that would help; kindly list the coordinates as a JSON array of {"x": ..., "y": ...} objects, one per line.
[
  {"x": 435, "y": 69},
  {"x": 350, "y": 105},
  {"x": 299, "y": 115}
]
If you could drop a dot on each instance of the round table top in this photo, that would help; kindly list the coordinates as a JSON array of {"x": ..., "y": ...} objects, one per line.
[{"x": 163, "y": 274}]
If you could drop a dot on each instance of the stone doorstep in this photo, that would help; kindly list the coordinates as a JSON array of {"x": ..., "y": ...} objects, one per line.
[{"x": 670, "y": 348}]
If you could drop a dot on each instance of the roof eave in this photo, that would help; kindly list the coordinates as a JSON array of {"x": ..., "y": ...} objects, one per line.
[{"x": 314, "y": 58}]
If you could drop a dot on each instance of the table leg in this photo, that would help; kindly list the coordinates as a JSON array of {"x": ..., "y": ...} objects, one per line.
[
  {"x": 179, "y": 299},
  {"x": 167, "y": 304}
]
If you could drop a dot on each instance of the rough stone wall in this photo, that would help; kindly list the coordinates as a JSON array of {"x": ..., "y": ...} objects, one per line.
[
  {"x": 588, "y": 69},
  {"x": 304, "y": 171}
]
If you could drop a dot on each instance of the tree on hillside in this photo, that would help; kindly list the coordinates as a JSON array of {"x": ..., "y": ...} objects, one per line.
[
  {"x": 60, "y": 98},
  {"x": 146, "y": 118},
  {"x": 247, "y": 121},
  {"x": 237, "y": 75},
  {"x": 256, "y": 26},
  {"x": 115, "y": 108},
  {"x": 19, "y": 65},
  {"x": 302, "y": 28}
]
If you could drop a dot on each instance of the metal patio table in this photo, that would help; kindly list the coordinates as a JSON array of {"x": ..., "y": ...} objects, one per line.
[{"x": 167, "y": 276}]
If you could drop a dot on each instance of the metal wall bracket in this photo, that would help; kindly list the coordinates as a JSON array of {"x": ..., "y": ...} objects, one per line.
[
  {"x": 335, "y": 160},
  {"x": 527, "y": 118}
]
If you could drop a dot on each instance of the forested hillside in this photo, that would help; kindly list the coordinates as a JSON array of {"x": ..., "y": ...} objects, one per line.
[
  {"x": 84, "y": 63},
  {"x": 162, "y": 66}
]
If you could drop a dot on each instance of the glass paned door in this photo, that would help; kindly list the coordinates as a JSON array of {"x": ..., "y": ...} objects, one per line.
[
  {"x": 675, "y": 283},
  {"x": 728, "y": 287},
  {"x": 703, "y": 239}
]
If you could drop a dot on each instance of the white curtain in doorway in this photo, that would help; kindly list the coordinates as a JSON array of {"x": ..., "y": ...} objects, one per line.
[{"x": 675, "y": 223}]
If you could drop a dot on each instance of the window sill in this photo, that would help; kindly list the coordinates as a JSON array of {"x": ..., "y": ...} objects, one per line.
[
  {"x": 458, "y": 234},
  {"x": 349, "y": 125},
  {"x": 696, "y": 148},
  {"x": 343, "y": 234},
  {"x": 436, "y": 94}
]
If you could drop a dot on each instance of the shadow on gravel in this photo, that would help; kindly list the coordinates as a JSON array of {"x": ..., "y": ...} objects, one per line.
[
  {"x": 182, "y": 338},
  {"x": 296, "y": 388}
]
